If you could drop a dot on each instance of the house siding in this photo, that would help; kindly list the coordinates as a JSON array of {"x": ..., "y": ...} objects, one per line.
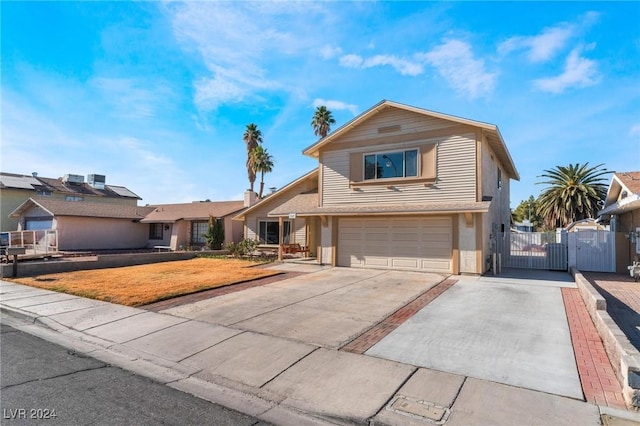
[
  {"x": 456, "y": 175},
  {"x": 262, "y": 212}
]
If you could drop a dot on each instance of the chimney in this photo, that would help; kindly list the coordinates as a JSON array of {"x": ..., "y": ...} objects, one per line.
[{"x": 250, "y": 198}]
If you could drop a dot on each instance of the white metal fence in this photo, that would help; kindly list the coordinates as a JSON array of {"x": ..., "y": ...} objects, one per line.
[
  {"x": 592, "y": 250},
  {"x": 587, "y": 250},
  {"x": 533, "y": 250},
  {"x": 43, "y": 241}
]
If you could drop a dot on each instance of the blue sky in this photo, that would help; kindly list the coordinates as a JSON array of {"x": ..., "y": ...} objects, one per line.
[{"x": 156, "y": 95}]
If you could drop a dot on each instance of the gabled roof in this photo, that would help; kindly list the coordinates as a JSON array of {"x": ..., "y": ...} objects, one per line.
[
  {"x": 82, "y": 209},
  {"x": 37, "y": 183},
  {"x": 169, "y": 213},
  {"x": 313, "y": 174},
  {"x": 491, "y": 131},
  {"x": 622, "y": 183}
]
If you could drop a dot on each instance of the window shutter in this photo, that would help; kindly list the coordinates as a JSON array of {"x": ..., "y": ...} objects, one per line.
[
  {"x": 355, "y": 167},
  {"x": 428, "y": 163}
]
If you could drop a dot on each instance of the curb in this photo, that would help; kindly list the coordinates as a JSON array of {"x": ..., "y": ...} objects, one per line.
[{"x": 246, "y": 401}]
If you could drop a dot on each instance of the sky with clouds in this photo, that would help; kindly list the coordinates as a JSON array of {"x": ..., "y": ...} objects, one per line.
[{"x": 156, "y": 95}]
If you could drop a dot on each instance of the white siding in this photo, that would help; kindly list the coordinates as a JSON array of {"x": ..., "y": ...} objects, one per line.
[{"x": 456, "y": 173}]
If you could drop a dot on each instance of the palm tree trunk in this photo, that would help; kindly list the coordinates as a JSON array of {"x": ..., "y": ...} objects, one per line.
[{"x": 261, "y": 185}]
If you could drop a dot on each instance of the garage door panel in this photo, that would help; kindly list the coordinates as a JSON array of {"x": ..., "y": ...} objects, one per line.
[{"x": 404, "y": 243}]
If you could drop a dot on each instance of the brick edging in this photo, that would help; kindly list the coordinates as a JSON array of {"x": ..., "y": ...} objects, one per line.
[{"x": 624, "y": 357}]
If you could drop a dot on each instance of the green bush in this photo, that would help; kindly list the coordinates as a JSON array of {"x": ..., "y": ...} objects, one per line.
[
  {"x": 243, "y": 248},
  {"x": 215, "y": 234}
]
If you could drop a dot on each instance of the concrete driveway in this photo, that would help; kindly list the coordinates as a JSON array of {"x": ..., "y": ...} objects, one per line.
[
  {"x": 510, "y": 329},
  {"x": 327, "y": 308}
]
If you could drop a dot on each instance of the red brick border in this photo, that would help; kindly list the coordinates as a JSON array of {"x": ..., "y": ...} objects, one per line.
[
  {"x": 365, "y": 341},
  {"x": 599, "y": 382}
]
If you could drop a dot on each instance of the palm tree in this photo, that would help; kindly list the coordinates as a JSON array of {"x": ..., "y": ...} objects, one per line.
[
  {"x": 252, "y": 138},
  {"x": 573, "y": 193},
  {"x": 263, "y": 163},
  {"x": 322, "y": 121}
]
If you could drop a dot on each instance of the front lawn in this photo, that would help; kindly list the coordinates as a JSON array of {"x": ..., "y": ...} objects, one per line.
[{"x": 143, "y": 284}]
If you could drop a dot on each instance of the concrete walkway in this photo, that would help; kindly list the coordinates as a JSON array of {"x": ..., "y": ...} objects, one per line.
[{"x": 277, "y": 379}]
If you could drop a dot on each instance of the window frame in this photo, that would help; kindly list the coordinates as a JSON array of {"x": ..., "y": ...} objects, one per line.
[
  {"x": 198, "y": 239},
  {"x": 286, "y": 236},
  {"x": 403, "y": 167},
  {"x": 153, "y": 231},
  {"x": 74, "y": 198}
]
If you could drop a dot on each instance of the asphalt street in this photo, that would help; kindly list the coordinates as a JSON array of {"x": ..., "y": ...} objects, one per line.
[{"x": 43, "y": 383}]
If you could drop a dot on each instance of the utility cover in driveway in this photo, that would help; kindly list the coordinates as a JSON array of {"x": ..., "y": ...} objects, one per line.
[{"x": 514, "y": 334}]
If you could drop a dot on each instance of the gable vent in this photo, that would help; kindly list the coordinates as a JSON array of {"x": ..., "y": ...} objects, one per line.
[{"x": 389, "y": 129}]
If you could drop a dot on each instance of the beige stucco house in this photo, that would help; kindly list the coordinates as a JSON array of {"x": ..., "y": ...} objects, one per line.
[
  {"x": 15, "y": 189},
  {"x": 622, "y": 210},
  {"x": 181, "y": 226},
  {"x": 85, "y": 225},
  {"x": 397, "y": 187}
]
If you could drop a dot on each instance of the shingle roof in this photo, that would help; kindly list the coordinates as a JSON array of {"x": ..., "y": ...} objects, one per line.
[
  {"x": 37, "y": 183},
  {"x": 83, "y": 209},
  {"x": 307, "y": 205},
  {"x": 631, "y": 180},
  {"x": 166, "y": 213}
]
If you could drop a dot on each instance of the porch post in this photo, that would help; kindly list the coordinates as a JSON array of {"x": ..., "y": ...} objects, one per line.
[{"x": 280, "y": 237}]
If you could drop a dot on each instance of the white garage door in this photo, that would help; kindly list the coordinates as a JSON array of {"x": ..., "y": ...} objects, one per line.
[{"x": 421, "y": 244}]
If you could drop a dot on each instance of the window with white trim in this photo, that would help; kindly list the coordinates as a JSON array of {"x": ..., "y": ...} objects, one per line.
[
  {"x": 395, "y": 164},
  {"x": 269, "y": 231}
]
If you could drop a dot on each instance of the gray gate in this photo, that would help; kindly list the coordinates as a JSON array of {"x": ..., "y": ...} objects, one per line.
[
  {"x": 533, "y": 250},
  {"x": 591, "y": 250}
]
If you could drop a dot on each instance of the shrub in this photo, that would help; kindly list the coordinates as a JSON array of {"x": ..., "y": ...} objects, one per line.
[{"x": 243, "y": 248}]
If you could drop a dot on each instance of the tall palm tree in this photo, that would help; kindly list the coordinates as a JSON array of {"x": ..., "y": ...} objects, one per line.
[
  {"x": 573, "y": 193},
  {"x": 322, "y": 121},
  {"x": 252, "y": 138},
  {"x": 262, "y": 163}
]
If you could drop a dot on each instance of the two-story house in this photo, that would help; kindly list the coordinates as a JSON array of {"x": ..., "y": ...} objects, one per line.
[{"x": 397, "y": 187}]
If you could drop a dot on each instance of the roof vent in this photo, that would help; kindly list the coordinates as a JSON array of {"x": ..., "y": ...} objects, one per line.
[
  {"x": 34, "y": 174},
  {"x": 76, "y": 179},
  {"x": 96, "y": 181}
]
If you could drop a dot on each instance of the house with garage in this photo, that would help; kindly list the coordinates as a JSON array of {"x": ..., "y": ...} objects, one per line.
[
  {"x": 621, "y": 211},
  {"x": 83, "y": 225},
  {"x": 15, "y": 189},
  {"x": 182, "y": 226},
  {"x": 397, "y": 187}
]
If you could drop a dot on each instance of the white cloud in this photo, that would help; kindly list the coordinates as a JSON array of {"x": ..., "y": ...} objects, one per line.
[
  {"x": 578, "y": 72},
  {"x": 455, "y": 62},
  {"x": 327, "y": 51},
  {"x": 351, "y": 61},
  {"x": 240, "y": 42},
  {"x": 550, "y": 41},
  {"x": 541, "y": 47},
  {"x": 210, "y": 92},
  {"x": 403, "y": 66},
  {"x": 129, "y": 98},
  {"x": 635, "y": 130},
  {"x": 334, "y": 105}
]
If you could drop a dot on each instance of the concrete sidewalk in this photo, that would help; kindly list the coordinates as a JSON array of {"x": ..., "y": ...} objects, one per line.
[{"x": 276, "y": 379}]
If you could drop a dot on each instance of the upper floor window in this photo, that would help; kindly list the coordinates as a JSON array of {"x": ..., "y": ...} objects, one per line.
[
  {"x": 44, "y": 193},
  {"x": 385, "y": 165},
  {"x": 73, "y": 198},
  {"x": 499, "y": 178}
]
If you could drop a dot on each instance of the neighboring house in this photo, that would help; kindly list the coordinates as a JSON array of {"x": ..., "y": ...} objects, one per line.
[
  {"x": 85, "y": 225},
  {"x": 15, "y": 189},
  {"x": 397, "y": 187},
  {"x": 588, "y": 224},
  {"x": 622, "y": 210},
  {"x": 180, "y": 226}
]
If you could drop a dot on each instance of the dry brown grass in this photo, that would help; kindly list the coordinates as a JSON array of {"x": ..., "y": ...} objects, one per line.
[{"x": 139, "y": 285}]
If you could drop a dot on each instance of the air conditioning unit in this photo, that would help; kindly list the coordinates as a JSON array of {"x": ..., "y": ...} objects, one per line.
[
  {"x": 69, "y": 178},
  {"x": 96, "y": 181}
]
